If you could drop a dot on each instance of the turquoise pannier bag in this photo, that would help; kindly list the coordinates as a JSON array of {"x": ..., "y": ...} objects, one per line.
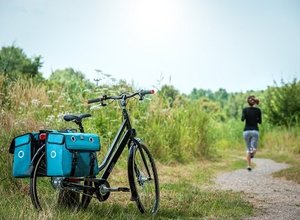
[
  {"x": 72, "y": 154},
  {"x": 23, "y": 148}
]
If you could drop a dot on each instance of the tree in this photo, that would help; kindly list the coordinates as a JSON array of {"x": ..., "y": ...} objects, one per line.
[
  {"x": 72, "y": 83},
  {"x": 13, "y": 61},
  {"x": 169, "y": 93},
  {"x": 221, "y": 95},
  {"x": 199, "y": 93},
  {"x": 283, "y": 103}
]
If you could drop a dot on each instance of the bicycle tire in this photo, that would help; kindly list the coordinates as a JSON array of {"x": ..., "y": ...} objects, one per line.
[
  {"x": 45, "y": 196},
  {"x": 143, "y": 179},
  {"x": 87, "y": 194}
]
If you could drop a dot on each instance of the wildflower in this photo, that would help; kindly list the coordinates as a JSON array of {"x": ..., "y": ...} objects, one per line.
[
  {"x": 109, "y": 134},
  {"x": 47, "y": 106},
  {"x": 50, "y": 117},
  {"x": 51, "y": 92},
  {"x": 95, "y": 107},
  {"x": 60, "y": 116},
  {"x": 35, "y": 102}
]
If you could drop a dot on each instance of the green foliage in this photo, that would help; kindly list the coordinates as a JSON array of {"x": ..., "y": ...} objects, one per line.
[
  {"x": 176, "y": 127},
  {"x": 235, "y": 104},
  {"x": 169, "y": 93},
  {"x": 13, "y": 61},
  {"x": 282, "y": 139},
  {"x": 221, "y": 95},
  {"x": 283, "y": 103},
  {"x": 228, "y": 135},
  {"x": 70, "y": 78},
  {"x": 179, "y": 133},
  {"x": 198, "y": 93}
]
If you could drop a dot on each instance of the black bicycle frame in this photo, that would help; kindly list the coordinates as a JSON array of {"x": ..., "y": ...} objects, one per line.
[{"x": 122, "y": 138}]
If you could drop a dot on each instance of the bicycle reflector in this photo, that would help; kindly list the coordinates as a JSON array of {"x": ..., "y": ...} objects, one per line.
[{"x": 43, "y": 136}]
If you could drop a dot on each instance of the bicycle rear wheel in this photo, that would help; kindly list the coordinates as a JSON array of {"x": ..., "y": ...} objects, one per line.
[
  {"x": 143, "y": 179},
  {"x": 52, "y": 192}
]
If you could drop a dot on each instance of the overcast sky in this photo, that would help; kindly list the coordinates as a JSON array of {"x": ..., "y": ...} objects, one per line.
[{"x": 238, "y": 45}]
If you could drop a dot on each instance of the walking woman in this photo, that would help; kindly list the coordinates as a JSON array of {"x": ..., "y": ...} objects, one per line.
[{"x": 252, "y": 116}]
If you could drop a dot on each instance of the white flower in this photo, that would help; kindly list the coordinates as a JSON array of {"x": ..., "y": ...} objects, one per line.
[
  {"x": 50, "y": 117},
  {"x": 35, "y": 102},
  {"x": 47, "y": 106}
]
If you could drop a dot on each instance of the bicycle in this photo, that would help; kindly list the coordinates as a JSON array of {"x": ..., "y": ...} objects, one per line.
[{"x": 141, "y": 169}]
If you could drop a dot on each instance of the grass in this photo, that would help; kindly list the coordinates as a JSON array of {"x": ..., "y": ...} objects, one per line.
[
  {"x": 292, "y": 173},
  {"x": 184, "y": 195},
  {"x": 282, "y": 145}
]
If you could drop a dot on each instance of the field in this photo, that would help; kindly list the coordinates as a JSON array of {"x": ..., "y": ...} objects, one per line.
[{"x": 192, "y": 138}]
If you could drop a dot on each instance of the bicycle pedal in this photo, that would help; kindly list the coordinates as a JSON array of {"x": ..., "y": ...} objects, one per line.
[
  {"x": 123, "y": 189},
  {"x": 116, "y": 189}
]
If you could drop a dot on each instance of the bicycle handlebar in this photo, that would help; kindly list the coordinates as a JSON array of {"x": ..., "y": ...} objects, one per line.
[
  {"x": 140, "y": 93},
  {"x": 90, "y": 101}
]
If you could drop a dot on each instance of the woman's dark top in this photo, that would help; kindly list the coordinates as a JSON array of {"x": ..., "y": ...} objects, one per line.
[{"x": 252, "y": 115}]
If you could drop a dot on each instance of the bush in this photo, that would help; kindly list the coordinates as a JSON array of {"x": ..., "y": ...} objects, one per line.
[{"x": 283, "y": 104}]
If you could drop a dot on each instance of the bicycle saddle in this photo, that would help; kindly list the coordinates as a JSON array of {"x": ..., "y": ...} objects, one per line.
[{"x": 76, "y": 118}]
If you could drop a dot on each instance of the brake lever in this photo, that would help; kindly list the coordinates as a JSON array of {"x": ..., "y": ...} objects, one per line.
[
  {"x": 102, "y": 103},
  {"x": 103, "y": 98}
]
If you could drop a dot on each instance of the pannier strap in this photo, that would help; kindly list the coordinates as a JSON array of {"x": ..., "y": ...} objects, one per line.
[
  {"x": 11, "y": 149},
  {"x": 92, "y": 162},
  {"x": 74, "y": 162}
]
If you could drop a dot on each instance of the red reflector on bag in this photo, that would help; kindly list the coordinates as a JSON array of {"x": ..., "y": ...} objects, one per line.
[
  {"x": 73, "y": 180},
  {"x": 43, "y": 136}
]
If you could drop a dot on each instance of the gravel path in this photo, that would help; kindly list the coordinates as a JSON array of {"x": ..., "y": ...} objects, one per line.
[{"x": 276, "y": 198}]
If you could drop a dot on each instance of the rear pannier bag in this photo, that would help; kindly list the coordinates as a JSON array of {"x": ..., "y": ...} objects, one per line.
[
  {"x": 72, "y": 154},
  {"x": 23, "y": 148}
]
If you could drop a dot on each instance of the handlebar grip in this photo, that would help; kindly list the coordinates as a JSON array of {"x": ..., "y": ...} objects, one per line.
[
  {"x": 90, "y": 101},
  {"x": 146, "y": 92}
]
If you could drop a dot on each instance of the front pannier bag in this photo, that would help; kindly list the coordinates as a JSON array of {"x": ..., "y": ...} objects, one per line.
[{"x": 72, "y": 154}]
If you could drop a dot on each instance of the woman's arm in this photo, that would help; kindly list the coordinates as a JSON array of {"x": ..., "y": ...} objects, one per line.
[{"x": 243, "y": 115}]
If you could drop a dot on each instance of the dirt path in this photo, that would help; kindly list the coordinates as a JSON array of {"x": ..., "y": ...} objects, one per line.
[{"x": 276, "y": 198}]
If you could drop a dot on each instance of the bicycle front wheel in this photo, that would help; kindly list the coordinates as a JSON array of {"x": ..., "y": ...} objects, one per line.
[
  {"x": 143, "y": 179},
  {"x": 53, "y": 192}
]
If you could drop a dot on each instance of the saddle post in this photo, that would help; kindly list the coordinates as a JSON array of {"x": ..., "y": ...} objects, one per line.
[{"x": 81, "y": 129}]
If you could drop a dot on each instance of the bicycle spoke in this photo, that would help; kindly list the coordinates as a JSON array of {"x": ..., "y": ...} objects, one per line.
[
  {"x": 145, "y": 180},
  {"x": 54, "y": 192}
]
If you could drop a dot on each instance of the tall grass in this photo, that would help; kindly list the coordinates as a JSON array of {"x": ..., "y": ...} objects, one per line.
[
  {"x": 282, "y": 139},
  {"x": 182, "y": 132},
  {"x": 228, "y": 134},
  {"x": 179, "y": 133}
]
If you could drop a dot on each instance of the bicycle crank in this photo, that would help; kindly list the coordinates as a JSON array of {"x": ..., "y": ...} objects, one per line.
[{"x": 103, "y": 189}]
